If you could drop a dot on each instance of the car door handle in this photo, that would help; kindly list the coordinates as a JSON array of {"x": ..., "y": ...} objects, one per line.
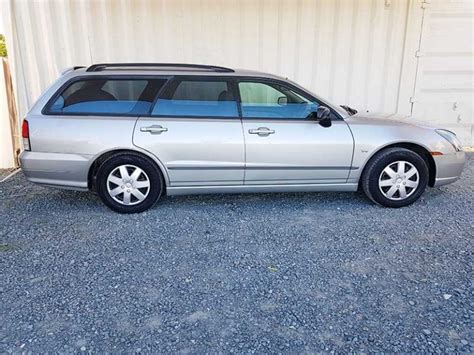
[
  {"x": 262, "y": 131},
  {"x": 155, "y": 129}
]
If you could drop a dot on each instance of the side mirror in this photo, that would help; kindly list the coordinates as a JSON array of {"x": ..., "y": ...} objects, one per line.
[
  {"x": 282, "y": 100},
  {"x": 323, "y": 116}
]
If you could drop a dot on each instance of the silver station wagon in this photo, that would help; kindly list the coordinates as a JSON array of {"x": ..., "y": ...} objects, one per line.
[{"x": 133, "y": 132}]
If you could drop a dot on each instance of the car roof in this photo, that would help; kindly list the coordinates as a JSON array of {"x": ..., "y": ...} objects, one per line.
[{"x": 167, "y": 70}]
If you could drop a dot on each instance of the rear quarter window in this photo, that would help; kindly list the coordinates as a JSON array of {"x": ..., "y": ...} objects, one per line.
[{"x": 107, "y": 97}]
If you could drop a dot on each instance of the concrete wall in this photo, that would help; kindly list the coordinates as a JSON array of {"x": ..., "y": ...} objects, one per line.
[{"x": 358, "y": 52}]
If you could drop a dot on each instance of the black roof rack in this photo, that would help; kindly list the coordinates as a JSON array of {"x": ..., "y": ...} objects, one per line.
[{"x": 103, "y": 66}]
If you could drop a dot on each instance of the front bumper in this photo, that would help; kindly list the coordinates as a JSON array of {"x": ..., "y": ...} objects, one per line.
[{"x": 449, "y": 167}]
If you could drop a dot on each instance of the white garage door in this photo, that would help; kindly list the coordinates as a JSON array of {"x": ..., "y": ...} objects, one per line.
[{"x": 444, "y": 92}]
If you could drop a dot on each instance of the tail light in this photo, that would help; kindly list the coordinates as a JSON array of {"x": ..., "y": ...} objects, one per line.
[{"x": 25, "y": 133}]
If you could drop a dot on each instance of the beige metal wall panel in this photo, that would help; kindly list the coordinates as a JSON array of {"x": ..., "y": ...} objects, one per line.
[
  {"x": 357, "y": 52},
  {"x": 444, "y": 93},
  {"x": 6, "y": 145},
  {"x": 349, "y": 51}
]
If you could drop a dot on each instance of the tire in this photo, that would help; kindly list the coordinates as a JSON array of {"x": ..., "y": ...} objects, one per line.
[
  {"x": 129, "y": 183},
  {"x": 385, "y": 188}
]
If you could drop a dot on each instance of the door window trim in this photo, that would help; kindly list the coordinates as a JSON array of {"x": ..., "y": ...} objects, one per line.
[{"x": 232, "y": 79}]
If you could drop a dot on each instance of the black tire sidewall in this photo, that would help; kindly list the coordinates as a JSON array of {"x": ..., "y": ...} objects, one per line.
[
  {"x": 382, "y": 163},
  {"x": 156, "y": 182}
]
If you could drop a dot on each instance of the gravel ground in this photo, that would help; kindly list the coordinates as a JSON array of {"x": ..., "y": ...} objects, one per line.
[
  {"x": 272, "y": 273},
  {"x": 5, "y": 172}
]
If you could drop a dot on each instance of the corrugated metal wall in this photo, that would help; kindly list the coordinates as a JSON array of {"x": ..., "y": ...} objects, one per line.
[
  {"x": 358, "y": 52},
  {"x": 444, "y": 93}
]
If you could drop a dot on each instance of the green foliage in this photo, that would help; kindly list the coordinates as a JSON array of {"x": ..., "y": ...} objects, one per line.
[{"x": 3, "y": 47}]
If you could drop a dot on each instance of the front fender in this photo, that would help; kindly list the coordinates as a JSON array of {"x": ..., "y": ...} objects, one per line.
[{"x": 371, "y": 136}]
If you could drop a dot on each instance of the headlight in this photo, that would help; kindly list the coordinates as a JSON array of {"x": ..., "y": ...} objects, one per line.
[{"x": 451, "y": 138}]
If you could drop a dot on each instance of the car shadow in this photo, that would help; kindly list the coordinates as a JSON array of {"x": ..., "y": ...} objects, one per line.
[
  {"x": 84, "y": 198},
  {"x": 277, "y": 197}
]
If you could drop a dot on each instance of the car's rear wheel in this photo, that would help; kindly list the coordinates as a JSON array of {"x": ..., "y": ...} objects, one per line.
[
  {"x": 395, "y": 177},
  {"x": 129, "y": 183}
]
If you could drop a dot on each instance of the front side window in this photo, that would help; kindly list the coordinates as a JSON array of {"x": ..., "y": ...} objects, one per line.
[
  {"x": 269, "y": 100},
  {"x": 108, "y": 96},
  {"x": 197, "y": 98}
]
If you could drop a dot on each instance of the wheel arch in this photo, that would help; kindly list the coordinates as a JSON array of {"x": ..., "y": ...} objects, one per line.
[
  {"x": 416, "y": 148},
  {"x": 98, "y": 160}
]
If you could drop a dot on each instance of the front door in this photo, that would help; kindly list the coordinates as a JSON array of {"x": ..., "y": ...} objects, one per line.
[
  {"x": 196, "y": 132},
  {"x": 284, "y": 144}
]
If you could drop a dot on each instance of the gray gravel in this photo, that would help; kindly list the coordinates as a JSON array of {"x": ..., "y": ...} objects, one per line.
[
  {"x": 272, "y": 273},
  {"x": 4, "y": 173}
]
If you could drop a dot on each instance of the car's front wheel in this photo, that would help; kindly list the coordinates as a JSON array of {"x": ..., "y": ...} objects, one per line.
[
  {"x": 129, "y": 183},
  {"x": 395, "y": 177}
]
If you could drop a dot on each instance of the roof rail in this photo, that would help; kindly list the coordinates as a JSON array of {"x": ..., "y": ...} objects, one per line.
[
  {"x": 67, "y": 70},
  {"x": 103, "y": 66}
]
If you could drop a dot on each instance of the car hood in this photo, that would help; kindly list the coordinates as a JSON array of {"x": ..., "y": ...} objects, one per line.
[{"x": 392, "y": 121}]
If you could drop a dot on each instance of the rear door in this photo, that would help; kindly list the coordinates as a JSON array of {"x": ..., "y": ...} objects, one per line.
[
  {"x": 196, "y": 132},
  {"x": 284, "y": 144}
]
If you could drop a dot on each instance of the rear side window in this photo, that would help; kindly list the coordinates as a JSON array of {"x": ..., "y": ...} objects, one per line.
[
  {"x": 108, "y": 96},
  {"x": 197, "y": 98}
]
